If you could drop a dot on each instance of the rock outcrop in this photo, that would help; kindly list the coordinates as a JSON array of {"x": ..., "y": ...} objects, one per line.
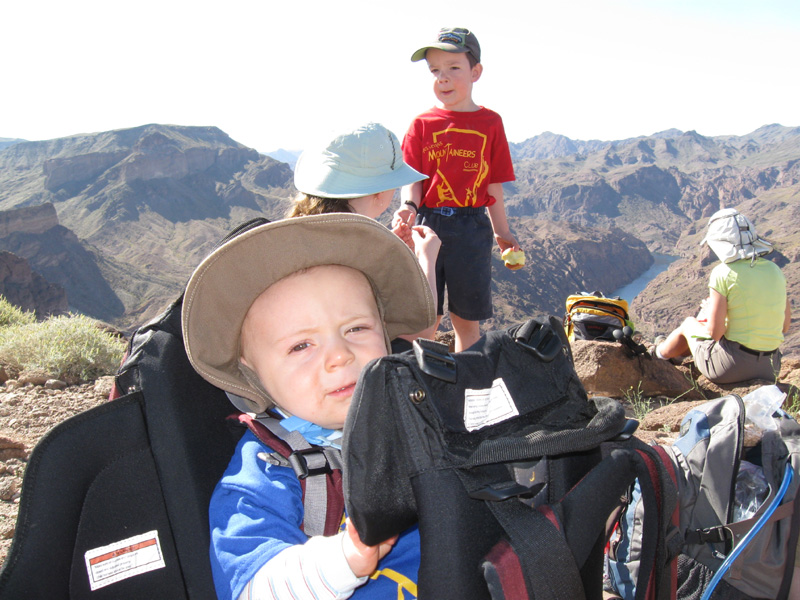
[
  {"x": 27, "y": 289},
  {"x": 29, "y": 219},
  {"x": 51, "y": 272},
  {"x": 606, "y": 370}
]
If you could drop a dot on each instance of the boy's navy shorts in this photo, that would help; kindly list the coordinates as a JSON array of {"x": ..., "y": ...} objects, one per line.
[{"x": 464, "y": 265}]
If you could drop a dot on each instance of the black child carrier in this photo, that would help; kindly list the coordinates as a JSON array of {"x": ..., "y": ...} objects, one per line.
[
  {"x": 115, "y": 500},
  {"x": 595, "y": 317},
  {"x": 738, "y": 509},
  {"x": 510, "y": 470}
]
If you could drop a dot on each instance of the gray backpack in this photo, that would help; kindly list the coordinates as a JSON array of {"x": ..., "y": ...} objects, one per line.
[{"x": 729, "y": 556}]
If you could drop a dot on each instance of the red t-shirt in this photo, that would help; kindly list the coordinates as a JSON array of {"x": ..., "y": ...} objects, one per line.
[{"x": 461, "y": 152}]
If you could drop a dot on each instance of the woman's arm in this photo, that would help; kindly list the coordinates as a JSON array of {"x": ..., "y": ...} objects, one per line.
[
  {"x": 787, "y": 317},
  {"x": 716, "y": 310}
]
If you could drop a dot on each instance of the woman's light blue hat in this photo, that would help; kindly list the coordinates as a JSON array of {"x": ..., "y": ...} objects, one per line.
[{"x": 365, "y": 161}]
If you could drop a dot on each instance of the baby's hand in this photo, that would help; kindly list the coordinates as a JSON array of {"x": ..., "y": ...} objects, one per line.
[
  {"x": 363, "y": 559},
  {"x": 403, "y": 231},
  {"x": 404, "y": 215}
]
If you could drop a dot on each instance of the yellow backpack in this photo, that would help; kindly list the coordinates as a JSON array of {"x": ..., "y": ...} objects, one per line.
[{"x": 595, "y": 317}]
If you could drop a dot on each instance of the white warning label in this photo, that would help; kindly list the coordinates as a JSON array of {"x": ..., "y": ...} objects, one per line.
[
  {"x": 489, "y": 406},
  {"x": 123, "y": 559}
]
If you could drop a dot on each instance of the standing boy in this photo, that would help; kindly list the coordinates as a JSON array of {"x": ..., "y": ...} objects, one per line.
[{"x": 462, "y": 147}]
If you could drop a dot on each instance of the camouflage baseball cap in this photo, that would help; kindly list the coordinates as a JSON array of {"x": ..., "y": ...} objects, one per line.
[{"x": 452, "y": 39}]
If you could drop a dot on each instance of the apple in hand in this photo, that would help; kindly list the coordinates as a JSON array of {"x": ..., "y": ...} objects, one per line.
[{"x": 513, "y": 259}]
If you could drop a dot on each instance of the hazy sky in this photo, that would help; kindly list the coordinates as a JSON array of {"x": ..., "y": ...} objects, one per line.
[{"x": 279, "y": 73}]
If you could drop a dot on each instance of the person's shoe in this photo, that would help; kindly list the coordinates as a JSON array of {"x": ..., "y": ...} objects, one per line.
[{"x": 656, "y": 342}]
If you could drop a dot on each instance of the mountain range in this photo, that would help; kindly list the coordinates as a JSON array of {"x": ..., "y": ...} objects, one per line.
[{"x": 139, "y": 208}]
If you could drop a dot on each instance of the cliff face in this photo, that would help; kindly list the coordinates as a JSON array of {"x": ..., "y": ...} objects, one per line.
[
  {"x": 49, "y": 261},
  {"x": 27, "y": 289},
  {"x": 33, "y": 220}
]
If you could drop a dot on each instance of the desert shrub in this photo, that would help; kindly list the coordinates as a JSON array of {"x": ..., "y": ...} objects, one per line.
[
  {"x": 66, "y": 347},
  {"x": 13, "y": 315}
]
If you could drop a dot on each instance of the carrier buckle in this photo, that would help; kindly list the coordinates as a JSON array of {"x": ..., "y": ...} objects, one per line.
[
  {"x": 299, "y": 463},
  {"x": 539, "y": 339},
  {"x": 628, "y": 429},
  {"x": 500, "y": 492},
  {"x": 445, "y": 211},
  {"x": 529, "y": 478},
  {"x": 434, "y": 359}
]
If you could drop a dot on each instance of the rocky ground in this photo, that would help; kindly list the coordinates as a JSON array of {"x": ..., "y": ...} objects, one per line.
[{"x": 29, "y": 409}]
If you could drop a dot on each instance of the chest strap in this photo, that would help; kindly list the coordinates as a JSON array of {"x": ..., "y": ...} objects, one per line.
[{"x": 318, "y": 468}]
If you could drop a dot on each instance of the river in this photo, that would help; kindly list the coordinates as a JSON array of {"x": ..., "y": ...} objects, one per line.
[{"x": 629, "y": 292}]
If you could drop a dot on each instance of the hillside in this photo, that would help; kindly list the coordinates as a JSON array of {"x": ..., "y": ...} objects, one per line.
[
  {"x": 146, "y": 204},
  {"x": 655, "y": 187}
]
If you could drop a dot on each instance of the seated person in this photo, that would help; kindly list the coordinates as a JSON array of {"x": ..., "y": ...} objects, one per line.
[
  {"x": 284, "y": 317},
  {"x": 736, "y": 335}
]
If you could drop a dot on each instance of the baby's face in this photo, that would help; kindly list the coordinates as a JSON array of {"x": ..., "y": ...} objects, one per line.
[{"x": 308, "y": 336}]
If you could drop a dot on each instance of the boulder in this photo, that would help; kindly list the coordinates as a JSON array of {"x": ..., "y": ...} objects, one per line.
[{"x": 606, "y": 370}]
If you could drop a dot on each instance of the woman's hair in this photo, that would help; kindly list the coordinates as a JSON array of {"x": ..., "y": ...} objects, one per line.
[{"x": 305, "y": 205}]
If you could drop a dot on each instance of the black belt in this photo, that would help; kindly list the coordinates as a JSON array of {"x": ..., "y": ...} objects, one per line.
[
  {"x": 756, "y": 352},
  {"x": 449, "y": 211}
]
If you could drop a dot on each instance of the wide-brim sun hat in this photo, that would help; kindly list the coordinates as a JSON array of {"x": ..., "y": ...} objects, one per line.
[
  {"x": 452, "y": 39},
  {"x": 227, "y": 282},
  {"x": 367, "y": 160},
  {"x": 732, "y": 237}
]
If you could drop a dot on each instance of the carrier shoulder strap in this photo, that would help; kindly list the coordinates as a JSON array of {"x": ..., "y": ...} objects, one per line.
[
  {"x": 558, "y": 538},
  {"x": 319, "y": 469}
]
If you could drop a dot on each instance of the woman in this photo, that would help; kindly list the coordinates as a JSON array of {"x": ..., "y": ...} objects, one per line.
[
  {"x": 358, "y": 172},
  {"x": 736, "y": 335}
]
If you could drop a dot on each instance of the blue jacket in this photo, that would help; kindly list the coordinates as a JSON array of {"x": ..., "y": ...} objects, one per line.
[{"x": 256, "y": 511}]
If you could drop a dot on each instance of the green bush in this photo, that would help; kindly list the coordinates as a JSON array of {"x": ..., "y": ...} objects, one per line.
[
  {"x": 12, "y": 315},
  {"x": 67, "y": 347}
]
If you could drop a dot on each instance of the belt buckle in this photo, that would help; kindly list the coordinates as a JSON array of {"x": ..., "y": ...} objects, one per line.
[{"x": 446, "y": 211}]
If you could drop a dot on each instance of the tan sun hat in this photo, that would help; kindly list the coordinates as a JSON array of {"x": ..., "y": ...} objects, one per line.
[
  {"x": 732, "y": 236},
  {"x": 227, "y": 282}
]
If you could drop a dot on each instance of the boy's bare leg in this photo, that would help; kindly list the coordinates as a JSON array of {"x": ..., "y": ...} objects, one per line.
[{"x": 467, "y": 332}]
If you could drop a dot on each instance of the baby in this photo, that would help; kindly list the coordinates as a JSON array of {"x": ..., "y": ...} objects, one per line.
[{"x": 285, "y": 316}]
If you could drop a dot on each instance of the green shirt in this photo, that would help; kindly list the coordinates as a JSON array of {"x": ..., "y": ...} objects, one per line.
[{"x": 756, "y": 295}]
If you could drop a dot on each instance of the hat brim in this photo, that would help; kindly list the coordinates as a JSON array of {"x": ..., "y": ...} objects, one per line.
[
  {"x": 227, "y": 282},
  {"x": 420, "y": 54},
  {"x": 728, "y": 252},
  {"x": 314, "y": 177}
]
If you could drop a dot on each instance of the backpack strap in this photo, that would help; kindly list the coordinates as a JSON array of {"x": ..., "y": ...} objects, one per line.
[
  {"x": 559, "y": 538},
  {"x": 319, "y": 469}
]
